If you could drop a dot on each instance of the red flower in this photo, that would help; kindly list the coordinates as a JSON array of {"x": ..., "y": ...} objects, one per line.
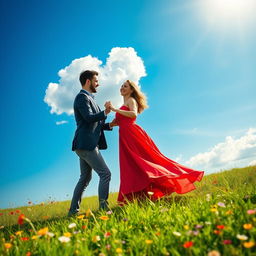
[
  {"x": 220, "y": 226},
  {"x": 24, "y": 238},
  {"x": 21, "y": 219},
  {"x": 217, "y": 232},
  {"x": 227, "y": 242},
  {"x": 188, "y": 244},
  {"x": 1, "y": 214},
  {"x": 18, "y": 211},
  {"x": 11, "y": 213}
]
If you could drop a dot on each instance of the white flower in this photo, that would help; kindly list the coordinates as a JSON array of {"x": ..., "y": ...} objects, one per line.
[
  {"x": 176, "y": 233},
  {"x": 208, "y": 197},
  {"x": 50, "y": 234},
  {"x": 150, "y": 193},
  {"x": 242, "y": 237},
  {"x": 64, "y": 239},
  {"x": 207, "y": 222},
  {"x": 72, "y": 225}
]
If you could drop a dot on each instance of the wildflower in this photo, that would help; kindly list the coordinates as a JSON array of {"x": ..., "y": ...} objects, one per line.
[
  {"x": 216, "y": 232},
  {"x": 208, "y": 197},
  {"x": 34, "y": 237},
  {"x": 24, "y": 238},
  {"x": 29, "y": 202},
  {"x": 188, "y": 244},
  {"x": 42, "y": 231},
  {"x": 67, "y": 234},
  {"x": 45, "y": 217},
  {"x": 72, "y": 225},
  {"x": 176, "y": 233},
  {"x": 157, "y": 233},
  {"x": 247, "y": 226},
  {"x": 125, "y": 219},
  {"x": 119, "y": 250},
  {"x": 148, "y": 241},
  {"x": 7, "y": 245},
  {"x": 220, "y": 204},
  {"x": 42, "y": 204},
  {"x": 195, "y": 233},
  {"x": 1, "y": 214},
  {"x": 11, "y": 213},
  {"x": 21, "y": 219},
  {"x": 108, "y": 246},
  {"x": 18, "y": 211},
  {"x": 18, "y": 233},
  {"x": 28, "y": 254},
  {"x": 50, "y": 234},
  {"x": 101, "y": 254},
  {"x": 250, "y": 212},
  {"x": 207, "y": 222},
  {"x": 1, "y": 227},
  {"x": 96, "y": 239},
  {"x": 88, "y": 213},
  {"x": 64, "y": 239},
  {"x": 84, "y": 227},
  {"x": 29, "y": 209},
  {"x": 227, "y": 242},
  {"x": 242, "y": 237},
  {"x": 104, "y": 217},
  {"x": 80, "y": 216},
  {"x": 229, "y": 212},
  {"x": 109, "y": 212},
  {"x": 249, "y": 244},
  {"x": 198, "y": 226},
  {"x": 186, "y": 227},
  {"x": 220, "y": 226},
  {"x": 107, "y": 234},
  {"x": 213, "y": 253},
  {"x": 164, "y": 210},
  {"x": 150, "y": 193}
]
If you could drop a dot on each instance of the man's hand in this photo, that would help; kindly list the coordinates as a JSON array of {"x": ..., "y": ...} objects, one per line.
[{"x": 107, "y": 107}]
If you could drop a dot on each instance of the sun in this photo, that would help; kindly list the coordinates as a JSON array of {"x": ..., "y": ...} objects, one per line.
[{"x": 228, "y": 14}]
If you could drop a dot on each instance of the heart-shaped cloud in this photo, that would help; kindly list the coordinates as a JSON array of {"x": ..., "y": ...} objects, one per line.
[{"x": 122, "y": 64}]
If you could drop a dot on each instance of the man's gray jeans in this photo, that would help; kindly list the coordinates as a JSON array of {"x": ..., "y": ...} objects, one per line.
[{"x": 91, "y": 160}]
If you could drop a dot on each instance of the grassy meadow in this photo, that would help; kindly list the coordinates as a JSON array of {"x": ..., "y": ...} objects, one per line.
[{"x": 218, "y": 218}]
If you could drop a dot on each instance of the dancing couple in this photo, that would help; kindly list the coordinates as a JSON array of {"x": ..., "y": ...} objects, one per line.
[{"x": 144, "y": 170}]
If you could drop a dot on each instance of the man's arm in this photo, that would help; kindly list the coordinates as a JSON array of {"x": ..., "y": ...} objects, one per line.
[{"x": 84, "y": 107}]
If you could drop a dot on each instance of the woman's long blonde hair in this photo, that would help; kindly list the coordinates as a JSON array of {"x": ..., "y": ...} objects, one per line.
[{"x": 139, "y": 96}]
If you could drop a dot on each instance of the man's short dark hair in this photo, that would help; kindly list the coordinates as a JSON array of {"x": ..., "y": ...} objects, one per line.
[{"x": 87, "y": 74}]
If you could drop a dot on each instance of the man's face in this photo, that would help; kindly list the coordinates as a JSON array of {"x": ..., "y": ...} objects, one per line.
[{"x": 94, "y": 84}]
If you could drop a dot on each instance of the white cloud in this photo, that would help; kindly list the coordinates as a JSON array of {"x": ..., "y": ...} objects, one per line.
[
  {"x": 252, "y": 163},
  {"x": 122, "y": 64},
  {"x": 61, "y": 122},
  {"x": 228, "y": 154}
]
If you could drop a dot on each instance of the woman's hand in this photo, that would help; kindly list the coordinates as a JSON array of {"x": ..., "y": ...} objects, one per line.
[{"x": 111, "y": 106}]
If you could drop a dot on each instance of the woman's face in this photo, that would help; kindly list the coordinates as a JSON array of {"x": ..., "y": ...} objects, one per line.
[{"x": 126, "y": 89}]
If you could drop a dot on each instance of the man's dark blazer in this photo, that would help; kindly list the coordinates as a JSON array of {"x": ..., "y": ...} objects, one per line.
[{"x": 90, "y": 122}]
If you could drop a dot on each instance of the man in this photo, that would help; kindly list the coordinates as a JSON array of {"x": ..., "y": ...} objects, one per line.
[{"x": 89, "y": 138}]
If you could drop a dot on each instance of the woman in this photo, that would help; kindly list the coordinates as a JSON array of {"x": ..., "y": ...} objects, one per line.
[{"x": 144, "y": 170}]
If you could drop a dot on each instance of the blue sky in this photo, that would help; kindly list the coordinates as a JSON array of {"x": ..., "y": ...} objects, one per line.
[{"x": 200, "y": 82}]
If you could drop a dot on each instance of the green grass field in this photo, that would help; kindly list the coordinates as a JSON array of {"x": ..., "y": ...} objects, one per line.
[{"x": 218, "y": 218}]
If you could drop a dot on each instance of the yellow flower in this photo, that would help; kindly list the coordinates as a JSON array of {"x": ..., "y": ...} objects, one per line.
[
  {"x": 248, "y": 244},
  {"x": 247, "y": 226},
  {"x": 18, "y": 233},
  {"x": 229, "y": 212},
  {"x": 80, "y": 217},
  {"x": 95, "y": 239},
  {"x": 67, "y": 234},
  {"x": 7, "y": 245},
  {"x": 186, "y": 227},
  {"x": 104, "y": 217},
  {"x": 213, "y": 210},
  {"x": 42, "y": 231},
  {"x": 88, "y": 213},
  {"x": 34, "y": 237},
  {"x": 148, "y": 241},
  {"x": 119, "y": 250}
]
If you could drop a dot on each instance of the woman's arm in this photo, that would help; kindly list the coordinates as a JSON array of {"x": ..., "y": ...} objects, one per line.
[{"x": 132, "y": 113}]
